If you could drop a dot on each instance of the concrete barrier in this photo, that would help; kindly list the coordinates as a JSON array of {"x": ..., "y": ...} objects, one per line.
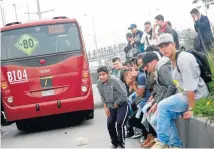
[{"x": 195, "y": 133}]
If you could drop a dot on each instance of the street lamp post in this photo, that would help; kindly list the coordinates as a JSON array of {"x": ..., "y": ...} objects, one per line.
[
  {"x": 2, "y": 15},
  {"x": 94, "y": 30},
  {"x": 39, "y": 13},
  {"x": 14, "y": 5},
  {"x": 28, "y": 12}
]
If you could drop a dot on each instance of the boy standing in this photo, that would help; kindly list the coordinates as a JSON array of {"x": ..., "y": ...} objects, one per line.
[{"x": 114, "y": 97}]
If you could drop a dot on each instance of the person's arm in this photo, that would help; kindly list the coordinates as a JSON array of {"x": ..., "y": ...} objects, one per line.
[
  {"x": 121, "y": 89},
  {"x": 190, "y": 76},
  {"x": 203, "y": 23},
  {"x": 154, "y": 34},
  {"x": 168, "y": 30},
  {"x": 165, "y": 75},
  {"x": 128, "y": 47},
  {"x": 101, "y": 93},
  {"x": 138, "y": 41},
  {"x": 176, "y": 40},
  {"x": 143, "y": 39}
]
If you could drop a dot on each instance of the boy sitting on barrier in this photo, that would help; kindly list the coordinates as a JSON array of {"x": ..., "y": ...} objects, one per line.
[
  {"x": 186, "y": 72},
  {"x": 164, "y": 87}
]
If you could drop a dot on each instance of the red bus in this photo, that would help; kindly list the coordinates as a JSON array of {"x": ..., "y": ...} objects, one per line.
[{"x": 44, "y": 71}]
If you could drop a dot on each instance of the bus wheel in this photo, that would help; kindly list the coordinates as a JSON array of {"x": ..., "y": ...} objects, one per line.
[
  {"x": 3, "y": 120},
  {"x": 21, "y": 125},
  {"x": 90, "y": 115}
]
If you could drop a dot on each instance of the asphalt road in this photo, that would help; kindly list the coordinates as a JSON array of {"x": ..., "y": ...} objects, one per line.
[{"x": 93, "y": 131}]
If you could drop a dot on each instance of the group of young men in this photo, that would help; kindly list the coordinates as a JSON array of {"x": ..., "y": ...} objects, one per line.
[{"x": 159, "y": 85}]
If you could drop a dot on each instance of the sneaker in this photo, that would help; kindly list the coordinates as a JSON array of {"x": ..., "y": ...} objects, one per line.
[
  {"x": 148, "y": 139},
  {"x": 150, "y": 144},
  {"x": 136, "y": 136},
  {"x": 113, "y": 146},
  {"x": 129, "y": 135},
  {"x": 120, "y": 146},
  {"x": 159, "y": 145},
  {"x": 142, "y": 140}
]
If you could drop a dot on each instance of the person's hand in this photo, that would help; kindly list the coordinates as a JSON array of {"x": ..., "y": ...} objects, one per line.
[
  {"x": 132, "y": 42},
  {"x": 124, "y": 67},
  {"x": 116, "y": 105},
  {"x": 195, "y": 18},
  {"x": 107, "y": 111},
  {"x": 187, "y": 115},
  {"x": 150, "y": 98},
  {"x": 133, "y": 83},
  {"x": 155, "y": 26},
  {"x": 153, "y": 109}
]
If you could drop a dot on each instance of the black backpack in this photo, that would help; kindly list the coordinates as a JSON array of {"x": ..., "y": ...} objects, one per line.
[{"x": 204, "y": 66}]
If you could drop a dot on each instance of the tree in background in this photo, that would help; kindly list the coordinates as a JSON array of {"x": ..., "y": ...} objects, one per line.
[{"x": 207, "y": 3}]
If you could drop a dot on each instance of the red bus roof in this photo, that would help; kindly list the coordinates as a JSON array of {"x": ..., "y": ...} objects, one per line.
[{"x": 36, "y": 23}]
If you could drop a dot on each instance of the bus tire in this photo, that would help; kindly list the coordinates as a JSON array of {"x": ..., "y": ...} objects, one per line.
[
  {"x": 21, "y": 125},
  {"x": 90, "y": 115},
  {"x": 3, "y": 120}
]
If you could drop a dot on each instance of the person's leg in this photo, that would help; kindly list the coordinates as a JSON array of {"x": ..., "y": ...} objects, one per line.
[
  {"x": 153, "y": 121},
  {"x": 145, "y": 108},
  {"x": 122, "y": 117},
  {"x": 167, "y": 110},
  {"x": 174, "y": 140},
  {"x": 152, "y": 131},
  {"x": 111, "y": 121},
  {"x": 130, "y": 129}
]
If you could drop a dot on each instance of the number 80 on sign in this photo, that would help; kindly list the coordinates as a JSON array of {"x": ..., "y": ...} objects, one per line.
[{"x": 27, "y": 44}]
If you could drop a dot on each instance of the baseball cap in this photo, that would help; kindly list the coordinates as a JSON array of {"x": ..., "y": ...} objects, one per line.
[
  {"x": 165, "y": 38},
  {"x": 149, "y": 57},
  {"x": 129, "y": 35},
  {"x": 132, "y": 26}
]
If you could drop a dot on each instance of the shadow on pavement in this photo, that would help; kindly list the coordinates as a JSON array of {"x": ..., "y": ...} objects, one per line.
[{"x": 52, "y": 123}]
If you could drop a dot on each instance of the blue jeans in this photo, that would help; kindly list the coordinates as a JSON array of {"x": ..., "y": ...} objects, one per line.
[{"x": 168, "y": 110}]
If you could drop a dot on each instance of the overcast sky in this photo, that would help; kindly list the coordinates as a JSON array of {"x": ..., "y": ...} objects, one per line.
[{"x": 112, "y": 17}]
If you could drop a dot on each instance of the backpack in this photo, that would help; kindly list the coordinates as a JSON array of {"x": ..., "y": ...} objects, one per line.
[{"x": 204, "y": 66}]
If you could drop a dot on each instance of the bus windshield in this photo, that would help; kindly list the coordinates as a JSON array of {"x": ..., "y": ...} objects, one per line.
[{"x": 40, "y": 40}]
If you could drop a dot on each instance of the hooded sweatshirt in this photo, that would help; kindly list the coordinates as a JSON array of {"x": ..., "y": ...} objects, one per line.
[
  {"x": 163, "y": 76},
  {"x": 112, "y": 92}
]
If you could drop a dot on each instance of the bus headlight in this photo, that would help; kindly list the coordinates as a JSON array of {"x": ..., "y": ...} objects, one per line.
[
  {"x": 84, "y": 89},
  {"x": 10, "y": 99}
]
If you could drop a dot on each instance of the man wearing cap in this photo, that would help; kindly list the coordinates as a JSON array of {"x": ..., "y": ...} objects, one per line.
[
  {"x": 137, "y": 35},
  {"x": 163, "y": 89},
  {"x": 129, "y": 38},
  {"x": 190, "y": 87}
]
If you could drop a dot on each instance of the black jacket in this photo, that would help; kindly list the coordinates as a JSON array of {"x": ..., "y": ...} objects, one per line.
[{"x": 175, "y": 37}]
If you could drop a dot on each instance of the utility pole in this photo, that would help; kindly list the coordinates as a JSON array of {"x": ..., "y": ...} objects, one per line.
[
  {"x": 38, "y": 8},
  {"x": 39, "y": 12},
  {"x": 95, "y": 36},
  {"x": 14, "y": 5},
  {"x": 28, "y": 12},
  {"x": 2, "y": 15}
]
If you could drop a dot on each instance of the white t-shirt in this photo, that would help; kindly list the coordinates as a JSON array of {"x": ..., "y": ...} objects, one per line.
[
  {"x": 189, "y": 77},
  {"x": 149, "y": 42}
]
